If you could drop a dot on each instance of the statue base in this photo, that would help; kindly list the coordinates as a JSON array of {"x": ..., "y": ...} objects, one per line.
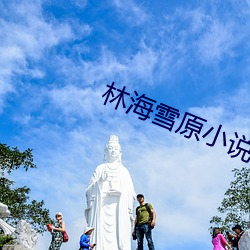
[{"x": 12, "y": 247}]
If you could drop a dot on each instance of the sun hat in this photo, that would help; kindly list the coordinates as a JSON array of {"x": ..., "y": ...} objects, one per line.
[
  {"x": 87, "y": 229},
  {"x": 139, "y": 196},
  {"x": 237, "y": 227},
  {"x": 59, "y": 213}
]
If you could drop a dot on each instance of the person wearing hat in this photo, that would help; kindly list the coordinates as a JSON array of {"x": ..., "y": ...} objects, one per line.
[
  {"x": 144, "y": 223},
  {"x": 239, "y": 231},
  {"x": 56, "y": 231},
  {"x": 84, "y": 240}
]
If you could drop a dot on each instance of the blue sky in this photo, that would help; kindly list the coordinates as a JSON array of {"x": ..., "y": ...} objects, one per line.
[{"x": 58, "y": 57}]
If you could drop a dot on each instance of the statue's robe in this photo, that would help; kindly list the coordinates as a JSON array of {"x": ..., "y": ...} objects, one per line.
[
  {"x": 110, "y": 197},
  {"x": 244, "y": 242}
]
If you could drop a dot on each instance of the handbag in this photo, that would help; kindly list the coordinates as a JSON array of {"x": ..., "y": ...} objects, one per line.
[
  {"x": 49, "y": 227},
  {"x": 65, "y": 236}
]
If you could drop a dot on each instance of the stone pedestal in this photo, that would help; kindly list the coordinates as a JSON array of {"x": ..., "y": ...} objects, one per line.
[{"x": 13, "y": 247}]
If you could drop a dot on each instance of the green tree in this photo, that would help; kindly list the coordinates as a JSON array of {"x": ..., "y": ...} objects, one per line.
[
  {"x": 17, "y": 199},
  {"x": 235, "y": 207}
]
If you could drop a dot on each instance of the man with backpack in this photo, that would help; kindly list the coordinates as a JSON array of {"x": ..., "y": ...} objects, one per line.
[{"x": 144, "y": 223}]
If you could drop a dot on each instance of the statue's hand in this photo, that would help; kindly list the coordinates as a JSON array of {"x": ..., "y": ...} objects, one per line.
[
  {"x": 104, "y": 176},
  {"x": 90, "y": 201},
  {"x": 90, "y": 204},
  {"x": 132, "y": 217}
]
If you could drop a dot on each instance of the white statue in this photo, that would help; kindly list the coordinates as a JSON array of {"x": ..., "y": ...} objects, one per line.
[
  {"x": 244, "y": 242},
  {"x": 4, "y": 212},
  {"x": 25, "y": 235},
  {"x": 110, "y": 197}
]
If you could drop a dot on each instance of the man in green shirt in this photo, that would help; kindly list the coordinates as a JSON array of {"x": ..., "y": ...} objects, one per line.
[{"x": 144, "y": 223}]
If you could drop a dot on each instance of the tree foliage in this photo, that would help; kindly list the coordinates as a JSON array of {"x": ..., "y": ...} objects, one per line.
[
  {"x": 235, "y": 207},
  {"x": 17, "y": 199},
  {"x": 12, "y": 159},
  {"x": 6, "y": 240}
]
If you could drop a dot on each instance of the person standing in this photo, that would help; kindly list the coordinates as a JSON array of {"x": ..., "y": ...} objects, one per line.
[
  {"x": 218, "y": 240},
  {"x": 85, "y": 239},
  {"x": 143, "y": 225},
  {"x": 239, "y": 231},
  {"x": 56, "y": 231}
]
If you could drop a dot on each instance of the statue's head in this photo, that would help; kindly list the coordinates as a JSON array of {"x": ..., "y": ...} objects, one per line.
[
  {"x": 113, "y": 150},
  {"x": 4, "y": 211}
]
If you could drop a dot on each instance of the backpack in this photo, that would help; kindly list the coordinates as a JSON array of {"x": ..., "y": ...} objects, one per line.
[{"x": 149, "y": 212}]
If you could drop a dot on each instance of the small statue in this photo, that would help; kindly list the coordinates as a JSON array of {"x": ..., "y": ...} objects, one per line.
[{"x": 23, "y": 234}]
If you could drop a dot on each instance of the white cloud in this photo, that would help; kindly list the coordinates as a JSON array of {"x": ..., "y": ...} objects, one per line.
[
  {"x": 139, "y": 66},
  {"x": 211, "y": 113},
  {"x": 79, "y": 102},
  {"x": 239, "y": 101},
  {"x": 80, "y": 3},
  {"x": 198, "y": 20},
  {"x": 131, "y": 12},
  {"x": 199, "y": 33},
  {"x": 231, "y": 111},
  {"x": 26, "y": 35},
  {"x": 107, "y": 66},
  {"x": 217, "y": 42},
  {"x": 143, "y": 64},
  {"x": 32, "y": 33}
]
